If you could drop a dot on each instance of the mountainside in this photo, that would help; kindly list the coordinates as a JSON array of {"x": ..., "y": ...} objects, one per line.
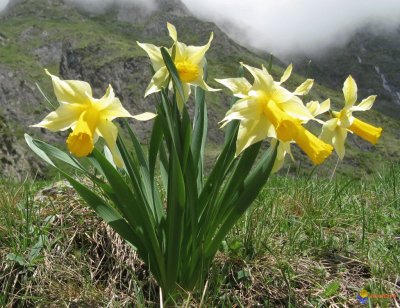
[
  {"x": 102, "y": 49},
  {"x": 373, "y": 58}
]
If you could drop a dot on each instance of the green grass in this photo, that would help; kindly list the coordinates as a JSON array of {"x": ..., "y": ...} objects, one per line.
[{"x": 306, "y": 242}]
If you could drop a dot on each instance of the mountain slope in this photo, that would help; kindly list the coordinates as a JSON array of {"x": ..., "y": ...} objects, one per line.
[
  {"x": 373, "y": 58},
  {"x": 102, "y": 49}
]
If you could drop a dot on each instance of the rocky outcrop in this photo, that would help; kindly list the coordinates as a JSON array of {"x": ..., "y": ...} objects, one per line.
[{"x": 15, "y": 161}]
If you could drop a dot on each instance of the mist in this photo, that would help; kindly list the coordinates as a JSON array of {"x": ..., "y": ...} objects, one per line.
[
  {"x": 3, "y": 4},
  {"x": 96, "y": 6},
  {"x": 287, "y": 27},
  {"x": 100, "y": 6},
  {"x": 283, "y": 27}
]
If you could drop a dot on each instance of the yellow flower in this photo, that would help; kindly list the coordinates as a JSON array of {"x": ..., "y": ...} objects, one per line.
[
  {"x": 266, "y": 109},
  {"x": 189, "y": 62},
  {"x": 88, "y": 117},
  {"x": 335, "y": 130},
  {"x": 364, "y": 293},
  {"x": 315, "y": 109}
]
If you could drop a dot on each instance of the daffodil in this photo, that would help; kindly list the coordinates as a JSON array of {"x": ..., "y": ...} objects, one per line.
[
  {"x": 315, "y": 109},
  {"x": 335, "y": 130},
  {"x": 88, "y": 117},
  {"x": 267, "y": 109},
  {"x": 189, "y": 62}
]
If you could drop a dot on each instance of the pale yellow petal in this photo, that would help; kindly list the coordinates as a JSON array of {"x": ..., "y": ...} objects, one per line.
[
  {"x": 243, "y": 109},
  {"x": 159, "y": 80},
  {"x": 115, "y": 110},
  {"x": 186, "y": 93},
  {"x": 70, "y": 91},
  {"x": 350, "y": 92},
  {"x": 313, "y": 107},
  {"x": 316, "y": 108},
  {"x": 181, "y": 53},
  {"x": 240, "y": 87},
  {"x": 283, "y": 149},
  {"x": 325, "y": 106},
  {"x": 172, "y": 31},
  {"x": 339, "y": 140},
  {"x": 286, "y": 74},
  {"x": 365, "y": 104},
  {"x": 295, "y": 108},
  {"x": 196, "y": 54},
  {"x": 263, "y": 81},
  {"x": 305, "y": 87},
  {"x": 248, "y": 107},
  {"x": 154, "y": 53},
  {"x": 109, "y": 132},
  {"x": 145, "y": 116},
  {"x": 202, "y": 84},
  {"x": 280, "y": 94},
  {"x": 335, "y": 135},
  {"x": 62, "y": 118},
  {"x": 107, "y": 99},
  {"x": 251, "y": 132}
]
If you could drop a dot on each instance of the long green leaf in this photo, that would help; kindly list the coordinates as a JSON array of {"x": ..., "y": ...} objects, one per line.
[
  {"x": 199, "y": 134},
  {"x": 101, "y": 207},
  {"x": 135, "y": 212},
  {"x": 43, "y": 150},
  {"x": 169, "y": 63},
  {"x": 175, "y": 211},
  {"x": 253, "y": 184}
]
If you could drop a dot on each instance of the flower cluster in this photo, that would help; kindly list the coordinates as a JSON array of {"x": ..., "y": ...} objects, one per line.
[
  {"x": 179, "y": 232},
  {"x": 89, "y": 117},
  {"x": 265, "y": 108}
]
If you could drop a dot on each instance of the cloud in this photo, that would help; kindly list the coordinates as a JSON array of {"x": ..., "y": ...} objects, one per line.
[
  {"x": 283, "y": 27},
  {"x": 100, "y": 6},
  {"x": 3, "y": 4},
  {"x": 97, "y": 6},
  {"x": 296, "y": 26}
]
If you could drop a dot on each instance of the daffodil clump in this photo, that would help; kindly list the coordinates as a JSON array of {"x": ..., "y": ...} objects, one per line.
[{"x": 178, "y": 229}]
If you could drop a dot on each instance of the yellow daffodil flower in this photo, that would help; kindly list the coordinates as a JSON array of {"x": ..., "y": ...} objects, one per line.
[
  {"x": 88, "y": 117},
  {"x": 335, "y": 130},
  {"x": 189, "y": 62},
  {"x": 266, "y": 109},
  {"x": 315, "y": 109}
]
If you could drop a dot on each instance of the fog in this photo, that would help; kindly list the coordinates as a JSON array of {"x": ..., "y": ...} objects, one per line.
[
  {"x": 3, "y": 4},
  {"x": 282, "y": 27},
  {"x": 297, "y": 26},
  {"x": 99, "y": 6}
]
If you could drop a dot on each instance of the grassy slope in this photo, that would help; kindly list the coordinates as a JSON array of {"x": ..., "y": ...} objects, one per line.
[{"x": 305, "y": 242}]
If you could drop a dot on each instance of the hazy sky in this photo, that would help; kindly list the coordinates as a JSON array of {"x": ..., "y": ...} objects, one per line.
[
  {"x": 288, "y": 26},
  {"x": 284, "y": 26},
  {"x": 3, "y": 4}
]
